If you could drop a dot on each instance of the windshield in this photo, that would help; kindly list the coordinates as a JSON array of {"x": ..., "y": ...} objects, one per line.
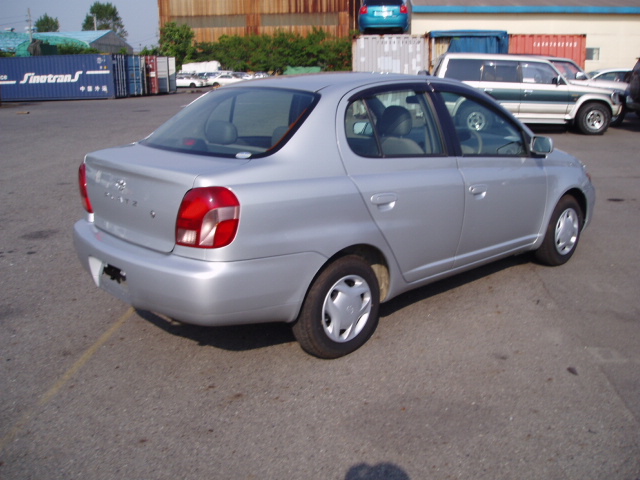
[{"x": 235, "y": 122}]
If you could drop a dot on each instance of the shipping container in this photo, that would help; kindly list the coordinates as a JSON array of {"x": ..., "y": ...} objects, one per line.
[
  {"x": 173, "y": 86},
  {"x": 151, "y": 67},
  {"x": 565, "y": 46},
  {"x": 136, "y": 76},
  {"x": 120, "y": 75},
  {"x": 162, "y": 72},
  {"x": 389, "y": 53},
  {"x": 467, "y": 41},
  {"x": 58, "y": 77}
]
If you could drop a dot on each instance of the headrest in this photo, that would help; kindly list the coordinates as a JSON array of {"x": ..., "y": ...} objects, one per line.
[
  {"x": 222, "y": 133},
  {"x": 395, "y": 121}
]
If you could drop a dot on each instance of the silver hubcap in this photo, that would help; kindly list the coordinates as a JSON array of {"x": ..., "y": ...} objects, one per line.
[
  {"x": 346, "y": 308},
  {"x": 595, "y": 120},
  {"x": 567, "y": 230}
]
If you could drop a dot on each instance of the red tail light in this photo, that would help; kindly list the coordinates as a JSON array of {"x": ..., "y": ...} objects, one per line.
[
  {"x": 364, "y": 10},
  {"x": 404, "y": 9},
  {"x": 208, "y": 218},
  {"x": 82, "y": 183}
]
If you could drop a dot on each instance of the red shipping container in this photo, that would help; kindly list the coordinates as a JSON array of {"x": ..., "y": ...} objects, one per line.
[{"x": 565, "y": 46}]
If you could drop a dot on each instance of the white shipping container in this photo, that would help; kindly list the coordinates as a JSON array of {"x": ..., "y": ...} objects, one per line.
[{"x": 389, "y": 53}]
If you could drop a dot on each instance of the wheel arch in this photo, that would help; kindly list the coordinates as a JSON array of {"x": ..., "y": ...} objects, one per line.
[
  {"x": 582, "y": 201},
  {"x": 373, "y": 257}
]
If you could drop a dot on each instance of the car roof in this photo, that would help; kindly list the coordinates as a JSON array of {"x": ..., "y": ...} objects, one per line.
[
  {"x": 336, "y": 80},
  {"x": 498, "y": 56}
]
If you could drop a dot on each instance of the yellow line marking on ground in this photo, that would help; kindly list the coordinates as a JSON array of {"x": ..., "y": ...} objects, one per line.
[{"x": 55, "y": 389}]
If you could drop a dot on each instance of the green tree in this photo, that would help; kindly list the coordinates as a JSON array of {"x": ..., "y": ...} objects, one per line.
[
  {"x": 177, "y": 41},
  {"x": 104, "y": 16},
  {"x": 273, "y": 53},
  {"x": 67, "y": 49},
  {"x": 47, "y": 24}
]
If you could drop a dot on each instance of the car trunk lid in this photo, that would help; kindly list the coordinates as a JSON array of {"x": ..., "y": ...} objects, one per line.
[{"x": 136, "y": 191}]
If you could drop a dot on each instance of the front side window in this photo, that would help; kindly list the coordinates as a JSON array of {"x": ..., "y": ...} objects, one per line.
[
  {"x": 540, "y": 73},
  {"x": 236, "y": 122},
  {"x": 482, "y": 130},
  {"x": 392, "y": 124}
]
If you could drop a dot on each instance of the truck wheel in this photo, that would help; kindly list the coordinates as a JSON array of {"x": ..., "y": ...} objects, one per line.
[{"x": 593, "y": 118}]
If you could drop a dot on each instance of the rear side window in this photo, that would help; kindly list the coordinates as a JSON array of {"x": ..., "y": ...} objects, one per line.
[
  {"x": 464, "y": 69},
  {"x": 235, "y": 122},
  {"x": 475, "y": 70}
]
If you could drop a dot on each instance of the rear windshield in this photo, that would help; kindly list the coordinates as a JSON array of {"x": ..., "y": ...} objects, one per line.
[{"x": 235, "y": 122}]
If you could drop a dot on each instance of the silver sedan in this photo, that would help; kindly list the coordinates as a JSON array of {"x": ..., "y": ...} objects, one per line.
[{"x": 311, "y": 199}]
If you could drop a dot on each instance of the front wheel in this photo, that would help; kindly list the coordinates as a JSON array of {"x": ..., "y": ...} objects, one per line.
[
  {"x": 340, "y": 312},
  {"x": 593, "y": 118},
  {"x": 563, "y": 233}
]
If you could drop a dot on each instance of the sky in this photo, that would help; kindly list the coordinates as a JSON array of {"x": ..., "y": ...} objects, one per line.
[{"x": 140, "y": 17}]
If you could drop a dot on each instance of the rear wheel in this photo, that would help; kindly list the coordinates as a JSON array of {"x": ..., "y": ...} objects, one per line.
[
  {"x": 340, "y": 312},
  {"x": 563, "y": 233},
  {"x": 593, "y": 118}
]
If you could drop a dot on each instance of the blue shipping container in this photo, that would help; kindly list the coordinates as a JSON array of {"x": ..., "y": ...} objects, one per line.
[
  {"x": 57, "y": 77},
  {"x": 136, "y": 74}
]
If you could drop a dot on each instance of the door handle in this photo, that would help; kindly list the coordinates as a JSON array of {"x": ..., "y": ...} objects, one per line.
[
  {"x": 384, "y": 201},
  {"x": 478, "y": 191}
]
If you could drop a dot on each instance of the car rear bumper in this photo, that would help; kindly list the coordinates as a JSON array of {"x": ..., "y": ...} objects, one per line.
[
  {"x": 369, "y": 22},
  {"x": 196, "y": 291}
]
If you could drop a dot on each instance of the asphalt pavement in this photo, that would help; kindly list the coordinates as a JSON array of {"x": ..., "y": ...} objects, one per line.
[{"x": 512, "y": 371}]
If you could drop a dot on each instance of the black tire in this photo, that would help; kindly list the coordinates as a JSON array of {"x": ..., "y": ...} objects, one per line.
[
  {"x": 192, "y": 85},
  {"x": 593, "y": 118},
  {"x": 474, "y": 117},
  {"x": 563, "y": 233},
  {"x": 617, "y": 120},
  {"x": 340, "y": 311}
]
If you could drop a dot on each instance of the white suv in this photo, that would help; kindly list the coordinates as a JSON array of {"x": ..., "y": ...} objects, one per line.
[{"x": 533, "y": 90}]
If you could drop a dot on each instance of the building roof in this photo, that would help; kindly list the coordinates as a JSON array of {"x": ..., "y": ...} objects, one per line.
[
  {"x": 16, "y": 42},
  {"x": 620, "y": 7}
]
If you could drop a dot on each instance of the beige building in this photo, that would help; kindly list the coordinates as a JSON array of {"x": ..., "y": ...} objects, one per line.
[{"x": 611, "y": 27}]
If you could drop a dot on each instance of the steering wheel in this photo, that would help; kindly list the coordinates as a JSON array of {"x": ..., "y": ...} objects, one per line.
[{"x": 474, "y": 145}]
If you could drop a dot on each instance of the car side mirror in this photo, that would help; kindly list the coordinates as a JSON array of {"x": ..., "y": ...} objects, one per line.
[
  {"x": 581, "y": 76},
  {"x": 541, "y": 146},
  {"x": 558, "y": 80},
  {"x": 363, "y": 128}
]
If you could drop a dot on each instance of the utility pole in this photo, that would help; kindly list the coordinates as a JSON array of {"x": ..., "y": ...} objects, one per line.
[
  {"x": 95, "y": 22},
  {"x": 30, "y": 26}
]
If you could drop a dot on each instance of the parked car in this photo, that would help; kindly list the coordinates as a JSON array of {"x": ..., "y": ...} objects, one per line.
[
  {"x": 533, "y": 90},
  {"x": 209, "y": 77},
  {"x": 575, "y": 74},
  {"x": 226, "y": 79},
  {"x": 611, "y": 74},
  {"x": 189, "y": 81},
  {"x": 311, "y": 199},
  {"x": 383, "y": 15}
]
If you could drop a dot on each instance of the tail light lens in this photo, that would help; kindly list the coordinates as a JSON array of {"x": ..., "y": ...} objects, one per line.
[
  {"x": 82, "y": 183},
  {"x": 404, "y": 9},
  {"x": 208, "y": 218},
  {"x": 364, "y": 10}
]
